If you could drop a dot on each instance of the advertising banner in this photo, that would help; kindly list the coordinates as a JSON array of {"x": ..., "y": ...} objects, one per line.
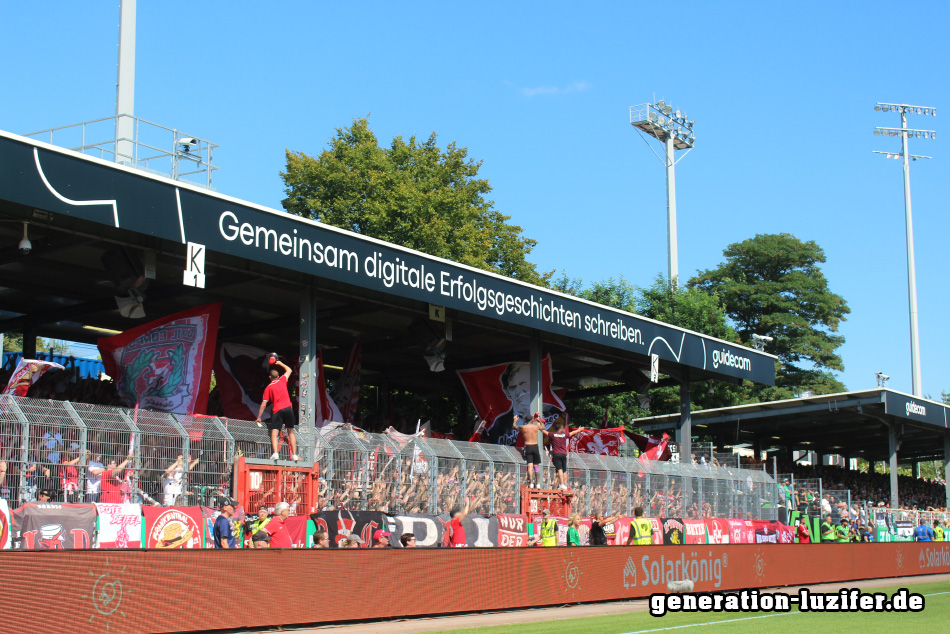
[
  {"x": 54, "y": 526},
  {"x": 340, "y": 524},
  {"x": 173, "y": 527},
  {"x": 477, "y": 576},
  {"x": 119, "y": 526},
  {"x": 695, "y": 531},
  {"x": 165, "y": 365}
]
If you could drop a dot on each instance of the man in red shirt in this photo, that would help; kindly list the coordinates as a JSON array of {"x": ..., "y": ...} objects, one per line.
[
  {"x": 283, "y": 414},
  {"x": 803, "y": 535},
  {"x": 111, "y": 486},
  {"x": 279, "y": 535},
  {"x": 456, "y": 532}
]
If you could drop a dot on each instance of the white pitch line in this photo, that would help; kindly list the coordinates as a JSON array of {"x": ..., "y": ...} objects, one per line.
[{"x": 746, "y": 618}]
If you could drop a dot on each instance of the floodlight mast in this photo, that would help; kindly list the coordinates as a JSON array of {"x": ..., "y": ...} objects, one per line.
[
  {"x": 675, "y": 131},
  {"x": 904, "y": 131}
]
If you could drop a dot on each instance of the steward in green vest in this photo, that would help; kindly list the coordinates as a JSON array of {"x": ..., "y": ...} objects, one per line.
[
  {"x": 259, "y": 537},
  {"x": 843, "y": 532},
  {"x": 641, "y": 529},
  {"x": 938, "y": 531},
  {"x": 827, "y": 530},
  {"x": 548, "y": 529}
]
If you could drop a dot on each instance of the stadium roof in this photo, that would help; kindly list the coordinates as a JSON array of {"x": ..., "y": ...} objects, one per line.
[
  {"x": 853, "y": 424},
  {"x": 83, "y": 210}
]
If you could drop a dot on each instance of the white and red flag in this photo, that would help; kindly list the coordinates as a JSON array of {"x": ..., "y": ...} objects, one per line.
[
  {"x": 346, "y": 394},
  {"x": 28, "y": 372},
  {"x": 603, "y": 442},
  {"x": 165, "y": 365}
]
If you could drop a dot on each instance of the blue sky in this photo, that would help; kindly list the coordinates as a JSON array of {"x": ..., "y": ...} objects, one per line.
[{"x": 782, "y": 96}]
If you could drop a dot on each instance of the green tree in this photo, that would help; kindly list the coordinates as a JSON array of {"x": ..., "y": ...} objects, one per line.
[
  {"x": 411, "y": 193},
  {"x": 773, "y": 285},
  {"x": 696, "y": 310},
  {"x": 685, "y": 307}
]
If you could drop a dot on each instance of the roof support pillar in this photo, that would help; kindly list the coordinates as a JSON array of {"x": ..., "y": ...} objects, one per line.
[
  {"x": 308, "y": 379},
  {"x": 536, "y": 371},
  {"x": 684, "y": 432},
  {"x": 892, "y": 444},
  {"x": 946, "y": 467},
  {"x": 29, "y": 343}
]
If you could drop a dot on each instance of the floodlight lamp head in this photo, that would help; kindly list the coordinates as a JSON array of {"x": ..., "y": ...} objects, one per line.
[
  {"x": 660, "y": 104},
  {"x": 877, "y": 133},
  {"x": 878, "y": 108},
  {"x": 679, "y": 114},
  {"x": 668, "y": 109}
]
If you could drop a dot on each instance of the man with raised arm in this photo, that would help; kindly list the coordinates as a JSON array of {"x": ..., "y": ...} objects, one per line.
[
  {"x": 532, "y": 452},
  {"x": 283, "y": 415}
]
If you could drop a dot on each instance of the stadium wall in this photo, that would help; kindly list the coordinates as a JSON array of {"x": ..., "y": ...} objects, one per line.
[{"x": 182, "y": 591}]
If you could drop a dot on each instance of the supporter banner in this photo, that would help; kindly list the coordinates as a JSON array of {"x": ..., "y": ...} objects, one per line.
[
  {"x": 28, "y": 372},
  {"x": 174, "y": 527},
  {"x": 480, "y": 531},
  {"x": 763, "y": 533},
  {"x": 346, "y": 392},
  {"x": 657, "y": 524},
  {"x": 499, "y": 392},
  {"x": 165, "y": 365},
  {"x": 604, "y": 442},
  {"x": 4, "y": 524},
  {"x": 717, "y": 531},
  {"x": 209, "y": 515},
  {"x": 695, "y": 531},
  {"x": 427, "y": 529},
  {"x": 299, "y": 532},
  {"x": 741, "y": 531},
  {"x": 54, "y": 526},
  {"x": 673, "y": 531},
  {"x": 512, "y": 531},
  {"x": 119, "y": 526},
  {"x": 905, "y": 532},
  {"x": 341, "y": 523},
  {"x": 618, "y": 532}
]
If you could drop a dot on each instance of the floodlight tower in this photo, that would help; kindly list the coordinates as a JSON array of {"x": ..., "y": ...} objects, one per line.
[
  {"x": 905, "y": 133},
  {"x": 674, "y": 130}
]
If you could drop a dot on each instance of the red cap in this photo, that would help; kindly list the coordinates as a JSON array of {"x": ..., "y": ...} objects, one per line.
[{"x": 380, "y": 533}]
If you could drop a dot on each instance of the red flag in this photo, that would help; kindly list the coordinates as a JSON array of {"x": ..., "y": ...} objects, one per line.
[
  {"x": 325, "y": 410},
  {"x": 604, "y": 442},
  {"x": 480, "y": 427},
  {"x": 347, "y": 391},
  {"x": 28, "y": 372},
  {"x": 165, "y": 364},
  {"x": 652, "y": 448},
  {"x": 499, "y": 392}
]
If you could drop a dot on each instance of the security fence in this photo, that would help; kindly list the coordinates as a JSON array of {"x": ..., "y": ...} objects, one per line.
[{"x": 159, "y": 458}]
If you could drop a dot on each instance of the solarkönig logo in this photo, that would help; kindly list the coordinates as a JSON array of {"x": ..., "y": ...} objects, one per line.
[{"x": 727, "y": 358}]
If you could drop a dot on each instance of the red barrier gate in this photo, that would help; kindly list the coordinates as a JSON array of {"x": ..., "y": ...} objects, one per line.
[
  {"x": 265, "y": 484},
  {"x": 533, "y": 501}
]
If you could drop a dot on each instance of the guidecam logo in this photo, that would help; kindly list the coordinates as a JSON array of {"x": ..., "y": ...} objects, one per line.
[
  {"x": 728, "y": 359},
  {"x": 914, "y": 408}
]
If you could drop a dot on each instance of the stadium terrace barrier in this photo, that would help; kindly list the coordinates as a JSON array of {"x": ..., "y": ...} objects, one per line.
[
  {"x": 188, "y": 460},
  {"x": 179, "y": 591}
]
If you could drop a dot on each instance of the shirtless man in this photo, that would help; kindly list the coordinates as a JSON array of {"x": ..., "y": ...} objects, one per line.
[{"x": 532, "y": 453}]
